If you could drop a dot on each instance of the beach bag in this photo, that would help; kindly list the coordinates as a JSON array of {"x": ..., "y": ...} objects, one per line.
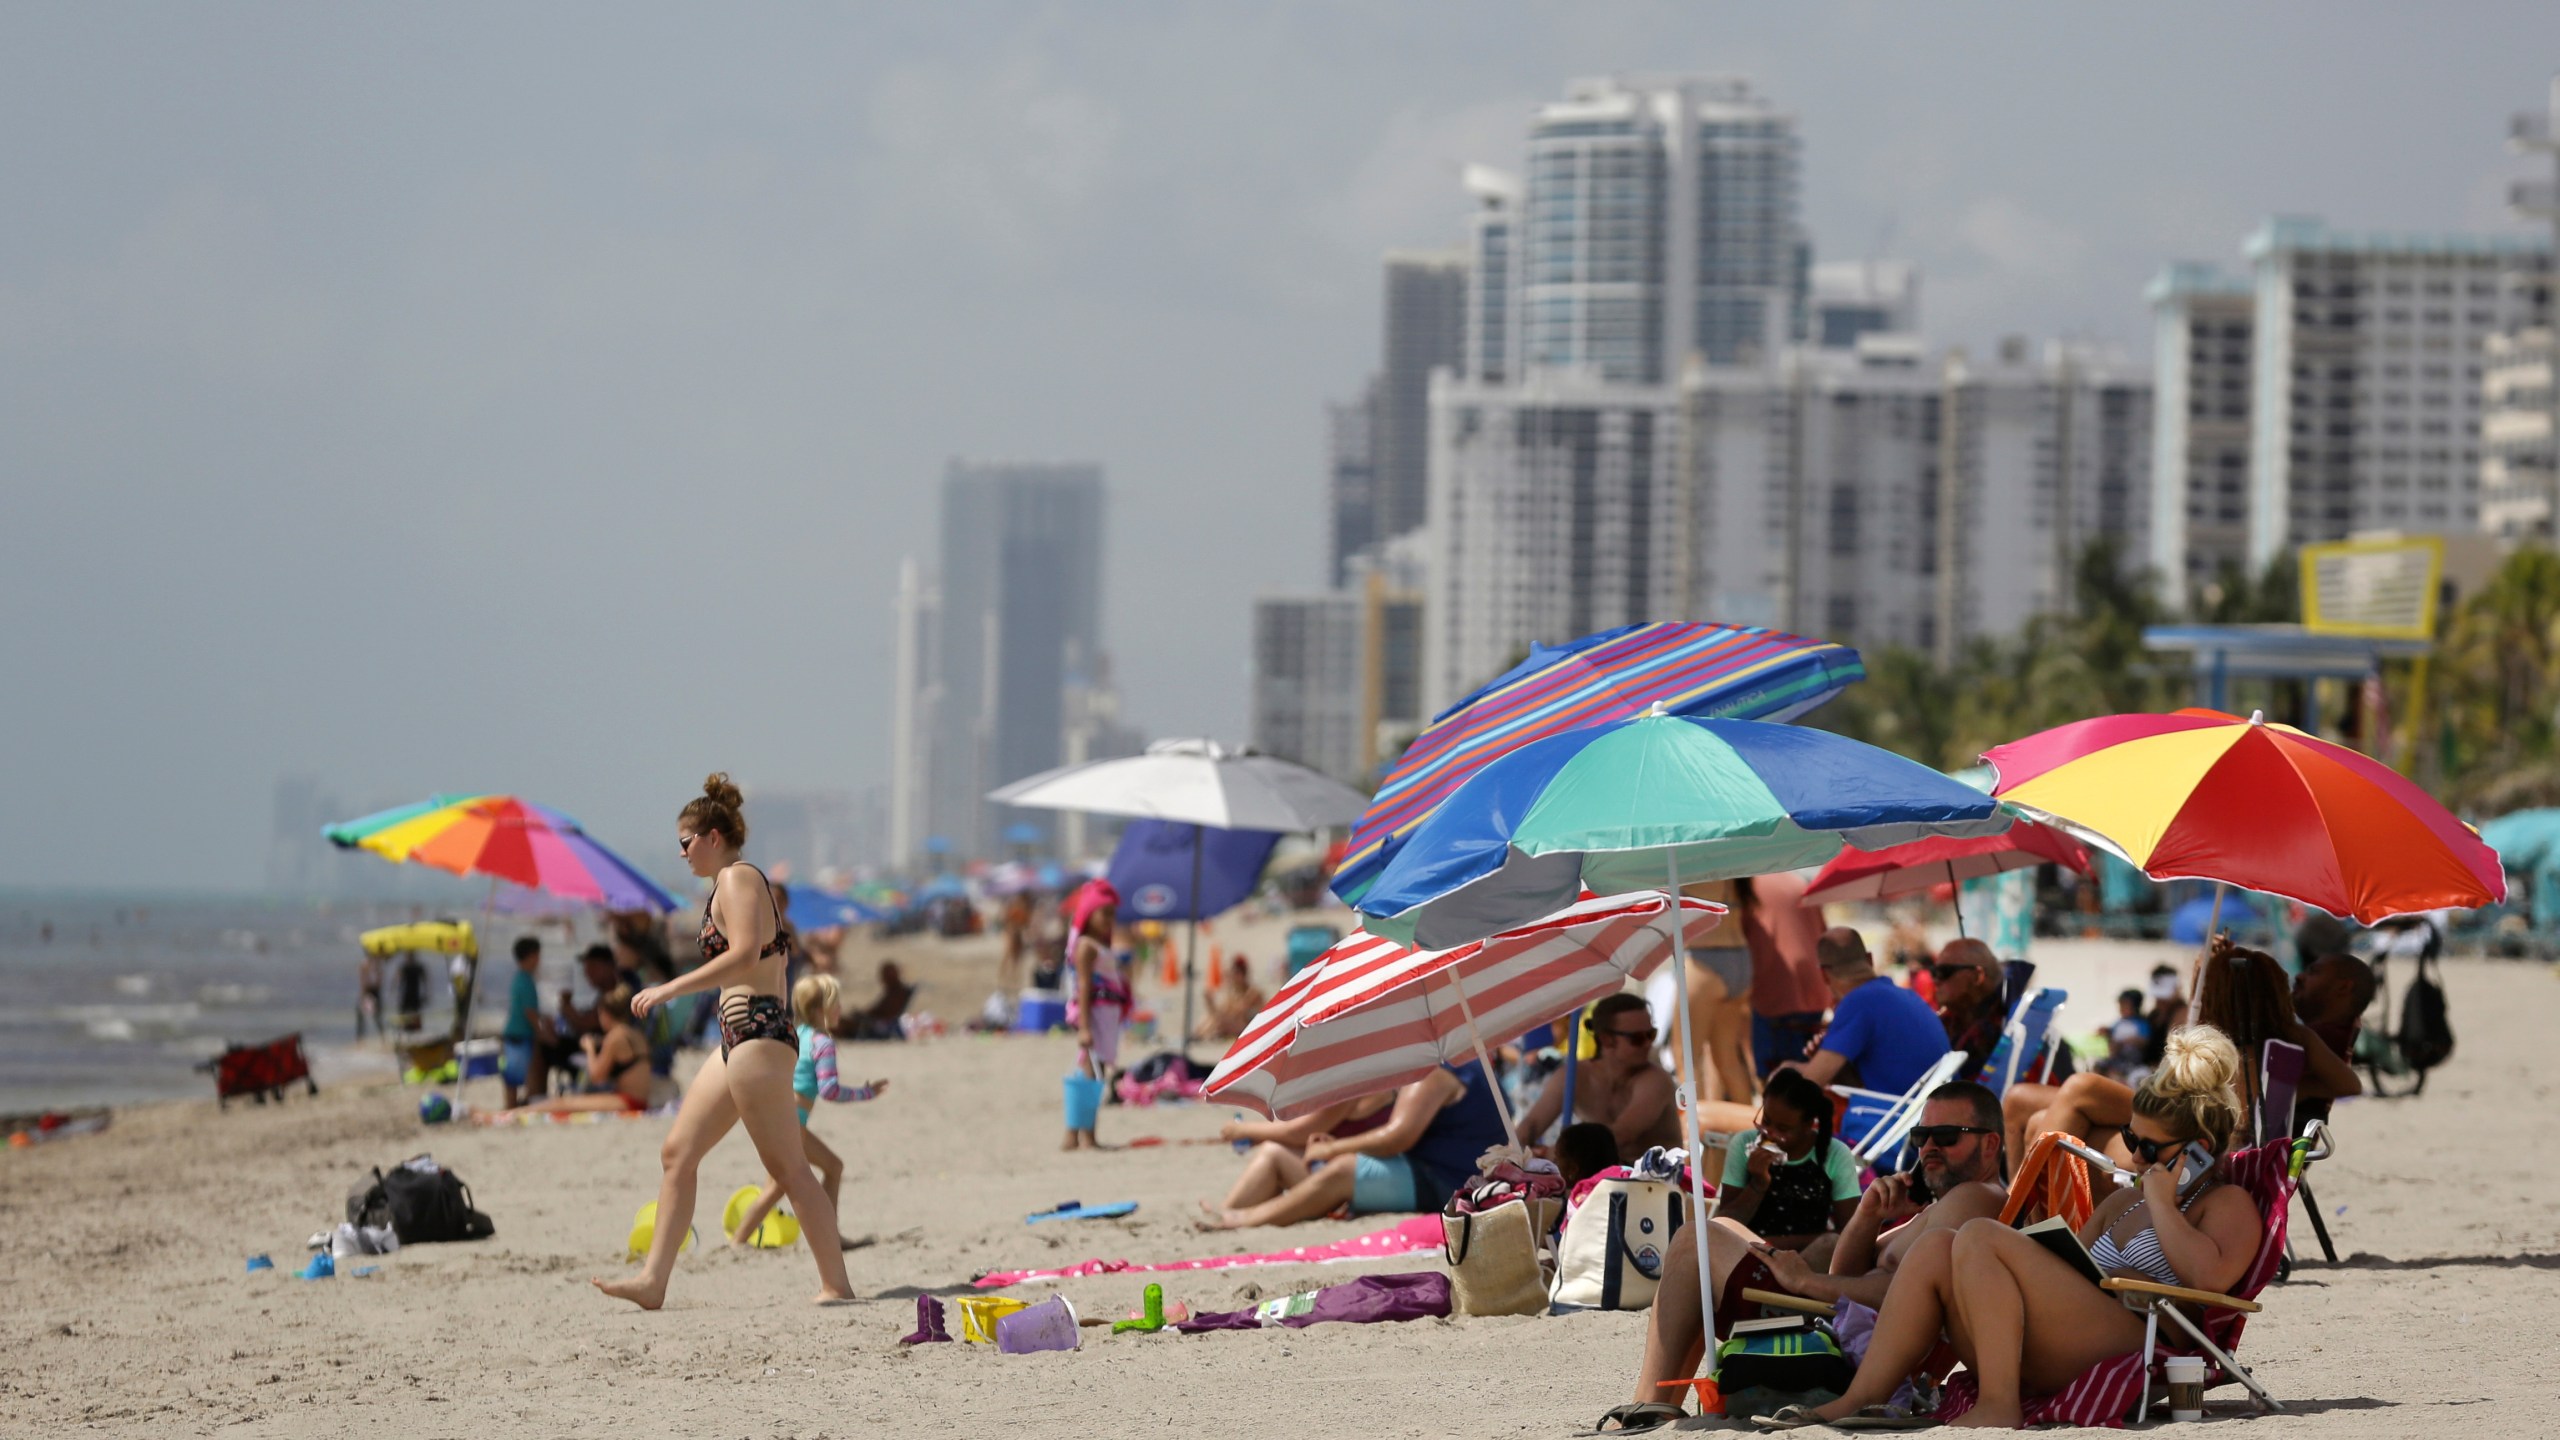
[
  {"x": 1796, "y": 1359},
  {"x": 1613, "y": 1246},
  {"x": 369, "y": 1203},
  {"x": 1494, "y": 1262},
  {"x": 2426, "y": 1032},
  {"x": 430, "y": 1204}
]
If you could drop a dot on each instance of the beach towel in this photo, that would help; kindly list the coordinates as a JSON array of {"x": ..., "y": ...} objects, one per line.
[
  {"x": 2050, "y": 1181},
  {"x": 1416, "y": 1235},
  {"x": 1369, "y": 1300}
]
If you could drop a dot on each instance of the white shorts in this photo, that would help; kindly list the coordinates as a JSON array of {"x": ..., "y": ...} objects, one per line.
[{"x": 1106, "y": 1036}]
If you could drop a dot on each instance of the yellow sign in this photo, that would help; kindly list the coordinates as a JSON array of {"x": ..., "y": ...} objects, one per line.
[{"x": 2381, "y": 589}]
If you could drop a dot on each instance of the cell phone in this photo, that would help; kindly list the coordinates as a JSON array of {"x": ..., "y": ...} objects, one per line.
[
  {"x": 1916, "y": 1185},
  {"x": 2192, "y": 1163}
]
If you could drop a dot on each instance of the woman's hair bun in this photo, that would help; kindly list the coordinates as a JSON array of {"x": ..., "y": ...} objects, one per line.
[
  {"x": 2197, "y": 1060},
  {"x": 719, "y": 789}
]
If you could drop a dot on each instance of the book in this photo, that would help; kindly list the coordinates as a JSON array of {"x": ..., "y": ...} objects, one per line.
[
  {"x": 2055, "y": 1234},
  {"x": 1768, "y": 1323}
]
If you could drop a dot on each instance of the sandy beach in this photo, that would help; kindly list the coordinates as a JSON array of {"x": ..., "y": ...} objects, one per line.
[{"x": 129, "y": 1313}]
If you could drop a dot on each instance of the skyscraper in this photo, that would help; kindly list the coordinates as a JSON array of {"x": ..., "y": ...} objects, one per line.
[
  {"x": 1659, "y": 220},
  {"x": 1351, "y": 479},
  {"x": 1426, "y": 303},
  {"x": 1019, "y": 617},
  {"x": 915, "y": 707},
  {"x": 2366, "y": 403},
  {"x": 1493, "y": 267},
  {"x": 2203, "y": 323}
]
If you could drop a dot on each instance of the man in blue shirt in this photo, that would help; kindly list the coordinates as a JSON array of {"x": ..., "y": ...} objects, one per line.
[{"x": 1882, "y": 1037}]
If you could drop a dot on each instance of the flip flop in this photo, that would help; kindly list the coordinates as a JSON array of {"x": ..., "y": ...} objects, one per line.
[
  {"x": 1884, "y": 1417},
  {"x": 1636, "y": 1419},
  {"x": 1078, "y": 1210},
  {"x": 1789, "y": 1417}
]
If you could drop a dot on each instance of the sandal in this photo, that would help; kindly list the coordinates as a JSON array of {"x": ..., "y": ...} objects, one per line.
[
  {"x": 1884, "y": 1417},
  {"x": 1636, "y": 1418},
  {"x": 1789, "y": 1417}
]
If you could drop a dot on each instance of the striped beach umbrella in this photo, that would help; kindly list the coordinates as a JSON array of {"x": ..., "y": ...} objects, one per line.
[
  {"x": 508, "y": 839},
  {"x": 1725, "y": 671},
  {"x": 2201, "y": 795},
  {"x": 1370, "y": 1014},
  {"x": 1923, "y": 864}
]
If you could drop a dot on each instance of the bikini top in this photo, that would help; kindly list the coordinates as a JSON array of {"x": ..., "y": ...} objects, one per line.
[
  {"x": 2142, "y": 1252},
  {"x": 714, "y": 944},
  {"x": 606, "y": 1081}
]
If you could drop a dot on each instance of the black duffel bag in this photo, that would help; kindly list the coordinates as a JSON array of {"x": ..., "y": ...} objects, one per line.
[{"x": 422, "y": 1201}]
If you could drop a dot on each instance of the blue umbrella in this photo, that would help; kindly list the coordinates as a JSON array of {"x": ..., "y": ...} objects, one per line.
[
  {"x": 1155, "y": 870},
  {"x": 1621, "y": 806},
  {"x": 945, "y": 886},
  {"x": 1735, "y": 672},
  {"x": 815, "y": 909}
]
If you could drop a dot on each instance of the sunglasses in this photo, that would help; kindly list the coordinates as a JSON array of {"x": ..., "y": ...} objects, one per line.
[
  {"x": 2148, "y": 1151},
  {"x": 684, "y": 844},
  {"x": 1945, "y": 973},
  {"x": 1641, "y": 1037},
  {"x": 1943, "y": 1136}
]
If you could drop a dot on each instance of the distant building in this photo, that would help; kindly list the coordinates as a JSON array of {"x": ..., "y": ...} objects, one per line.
[
  {"x": 1337, "y": 677},
  {"x": 1426, "y": 301},
  {"x": 2366, "y": 406},
  {"x": 1854, "y": 298},
  {"x": 1351, "y": 479},
  {"x": 2202, "y": 368},
  {"x": 1658, "y": 220},
  {"x": 915, "y": 709},
  {"x": 1555, "y": 513},
  {"x": 2519, "y": 462},
  {"x": 1018, "y": 607},
  {"x": 1492, "y": 349}
]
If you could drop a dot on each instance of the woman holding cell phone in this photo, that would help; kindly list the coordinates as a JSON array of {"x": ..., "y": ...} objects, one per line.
[{"x": 2020, "y": 1316}]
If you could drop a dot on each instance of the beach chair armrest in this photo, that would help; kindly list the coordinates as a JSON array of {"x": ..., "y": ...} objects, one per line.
[
  {"x": 1852, "y": 1092},
  {"x": 1758, "y": 1296},
  {"x": 2123, "y": 1284}
]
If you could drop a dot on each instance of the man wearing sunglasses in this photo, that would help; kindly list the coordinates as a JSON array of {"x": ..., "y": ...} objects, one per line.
[
  {"x": 1966, "y": 1171},
  {"x": 1620, "y": 1086},
  {"x": 1967, "y": 979}
]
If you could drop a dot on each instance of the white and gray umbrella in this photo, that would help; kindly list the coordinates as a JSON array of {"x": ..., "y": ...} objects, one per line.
[{"x": 1194, "y": 782}]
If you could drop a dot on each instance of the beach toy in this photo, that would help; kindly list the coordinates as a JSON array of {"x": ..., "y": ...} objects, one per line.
[
  {"x": 1078, "y": 1210},
  {"x": 260, "y": 1262},
  {"x": 930, "y": 1328},
  {"x": 778, "y": 1230},
  {"x": 320, "y": 1268},
  {"x": 1049, "y": 1325},
  {"x": 1151, "y": 1314},
  {"x": 980, "y": 1314},
  {"x": 434, "y": 1109},
  {"x": 1084, "y": 1100},
  {"x": 644, "y": 1228}
]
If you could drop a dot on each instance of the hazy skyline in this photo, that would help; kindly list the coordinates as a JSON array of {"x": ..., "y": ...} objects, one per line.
[{"x": 541, "y": 398}]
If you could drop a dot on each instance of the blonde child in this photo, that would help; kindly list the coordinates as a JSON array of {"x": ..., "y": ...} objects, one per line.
[{"x": 817, "y": 1003}]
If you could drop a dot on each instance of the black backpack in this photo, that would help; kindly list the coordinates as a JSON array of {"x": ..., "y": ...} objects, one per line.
[
  {"x": 2426, "y": 1032},
  {"x": 421, "y": 1206}
]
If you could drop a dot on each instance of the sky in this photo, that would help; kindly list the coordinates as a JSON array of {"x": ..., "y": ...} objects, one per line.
[{"x": 541, "y": 398}]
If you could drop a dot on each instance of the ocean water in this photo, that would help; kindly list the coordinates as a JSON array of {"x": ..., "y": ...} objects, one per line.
[{"x": 131, "y": 993}]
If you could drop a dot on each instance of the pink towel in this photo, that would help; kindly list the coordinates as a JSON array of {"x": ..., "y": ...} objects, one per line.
[{"x": 1412, "y": 1237}]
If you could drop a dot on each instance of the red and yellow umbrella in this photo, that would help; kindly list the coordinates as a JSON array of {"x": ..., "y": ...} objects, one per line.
[{"x": 2201, "y": 795}]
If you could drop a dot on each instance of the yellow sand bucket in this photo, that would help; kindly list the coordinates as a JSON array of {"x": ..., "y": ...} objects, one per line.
[
  {"x": 979, "y": 1314},
  {"x": 778, "y": 1230},
  {"x": 644, "y": 1228}
]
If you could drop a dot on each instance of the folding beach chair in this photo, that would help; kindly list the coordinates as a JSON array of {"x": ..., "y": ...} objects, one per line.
[
  {"x": 2029, "y": 1039},
  {"x": 1876, "y": 1123},
  {"x": 2107, "y": 1390},
  {"x": 2279, "y": 1083}
]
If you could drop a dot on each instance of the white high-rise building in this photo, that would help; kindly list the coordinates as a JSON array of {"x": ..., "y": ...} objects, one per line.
[
  {"x": 2366, "y": 403},
  {"x": 1492, "y": 353},
  {"x": 1852, "y": 298},
  {"x": 2519, "y": 460},
  {"x": 915, "y": 701},
  {"x": 2203, "y": 321},
  {"x": 1306, "y": 681},
  {"x": 1659, "y": 219}
]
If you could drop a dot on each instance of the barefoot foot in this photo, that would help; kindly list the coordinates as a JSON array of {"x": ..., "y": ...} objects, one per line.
[
  {"x": 833, "y": 1297},
  {"x": 637, "y": 1290}
]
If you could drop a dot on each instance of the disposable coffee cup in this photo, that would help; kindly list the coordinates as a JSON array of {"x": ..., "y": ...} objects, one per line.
[{"x": 2186, "y": 1386}]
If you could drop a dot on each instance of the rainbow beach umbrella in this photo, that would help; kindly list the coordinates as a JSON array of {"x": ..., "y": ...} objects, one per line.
[
  {"x": 508, "y": 839},
  {"x": 2201, "y": 795}
]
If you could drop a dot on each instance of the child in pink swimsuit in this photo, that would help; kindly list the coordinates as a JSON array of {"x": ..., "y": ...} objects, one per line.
[{"x": 1098, "y": 1001}]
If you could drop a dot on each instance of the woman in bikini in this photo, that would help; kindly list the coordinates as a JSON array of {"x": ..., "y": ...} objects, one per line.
[
  {"x": 743, "y": 955},
  {"x": 2021, "y": 1318},
  {"x": 617, "y": 1066}
]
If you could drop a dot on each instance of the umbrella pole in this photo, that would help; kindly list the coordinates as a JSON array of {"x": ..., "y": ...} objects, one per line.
[
  {"x": 1492, "y": 1081},
  {"x": 1572, "y": 1059},
  {"x": 1958, "y": 898},
  {"x": 1191, "y": 946},
  {"x": 1689, "y": 1089}
]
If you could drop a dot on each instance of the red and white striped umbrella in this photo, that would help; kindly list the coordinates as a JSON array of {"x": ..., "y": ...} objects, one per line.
[{"x": 1370, "y": 1014}]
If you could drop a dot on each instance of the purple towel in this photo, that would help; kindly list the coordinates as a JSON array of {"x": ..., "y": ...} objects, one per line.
[{"x": 1366, "y": 1301}]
